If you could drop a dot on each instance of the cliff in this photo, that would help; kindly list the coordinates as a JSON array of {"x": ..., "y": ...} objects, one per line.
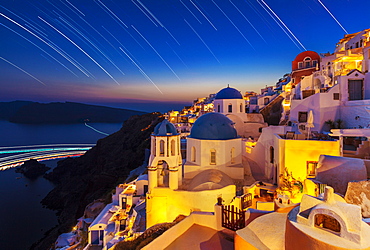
[
  {"x": 79, "y": 181},
  {"x": 58, "y": 112}
]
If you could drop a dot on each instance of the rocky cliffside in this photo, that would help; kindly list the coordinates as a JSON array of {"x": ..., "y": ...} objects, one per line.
[{"x": 79, "y": 181}]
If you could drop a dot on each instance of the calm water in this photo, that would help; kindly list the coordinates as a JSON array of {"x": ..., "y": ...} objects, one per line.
[{"x": 22, "y": 218}]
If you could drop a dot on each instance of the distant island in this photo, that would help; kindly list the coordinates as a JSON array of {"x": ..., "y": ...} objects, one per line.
[
  {"x": 62, "y": 112},
  {"x": 32, "y": 169}
]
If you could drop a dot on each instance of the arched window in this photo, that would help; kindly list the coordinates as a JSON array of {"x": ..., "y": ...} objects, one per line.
[
  {"x": 161, "y": 148},
  {"x": 193, "y": 154},
  {"x": 154, "y": 148},
  {"x": 232, "y": 155},
  {"x": 328, "y": 222},
  {"x": 218, "y": 108},
  {"x": 272, "y": 156},
  {"x": 230, "y": 108},
  {"x": 173, "y": 147},
  {"x": 213, "y": 157},
  {"x": 307, "y": 62}
]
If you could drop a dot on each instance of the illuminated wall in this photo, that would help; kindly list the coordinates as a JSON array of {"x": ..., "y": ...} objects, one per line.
[
  {"x": 294, "y": 154},
  {"x": 164, "y": 204}
]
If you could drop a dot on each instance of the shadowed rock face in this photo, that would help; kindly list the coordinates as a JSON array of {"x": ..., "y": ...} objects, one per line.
[
  {"x": 358, "y": 193},
  {"x": 272, "y": 112},
  {"x": 79, "y": 181}
]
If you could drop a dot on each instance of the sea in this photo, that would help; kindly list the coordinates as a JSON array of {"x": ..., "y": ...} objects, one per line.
[{"x": 23, "y": 220}]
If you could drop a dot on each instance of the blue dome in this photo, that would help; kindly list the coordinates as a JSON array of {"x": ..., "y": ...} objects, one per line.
[
  {"x": 165, "y": 128},
  {"x": 228, "y": 93},
  {"x": 213, "y": 126}
]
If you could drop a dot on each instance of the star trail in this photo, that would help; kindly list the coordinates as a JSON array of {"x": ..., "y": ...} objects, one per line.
[{"x": 173, "y": 50}]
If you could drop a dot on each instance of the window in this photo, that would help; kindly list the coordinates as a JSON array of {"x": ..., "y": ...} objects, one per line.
[
  {"x": 232, "y": 155},
  {"x": 355, "y": 90},
  {"x": 300, "y": 65},
  {"x": 335, "y": 96},
  {"x": 314, "y": 63},
  {"x": 230, "y": 108},
  {"x": 161, "y": 148},
  {"x": 123, "y": 202},
  {"x": 173, "y": 147},
  {"x": 218, "y": 108},
  {"x": 241, "y": 108},
  {"x": 213, "y": 157},
  {"x": 307, "y": 62},
  {"x": 302, "y": 116},
  {"x": 193, "y": 154},
  {"x": 266, "y": 100},
  {"x": 272, "y": 155},
  {"x": 311, "y": 169}
]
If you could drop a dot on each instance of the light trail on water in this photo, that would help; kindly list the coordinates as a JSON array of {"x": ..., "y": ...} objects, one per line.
[{"x": 100, "y": 132}]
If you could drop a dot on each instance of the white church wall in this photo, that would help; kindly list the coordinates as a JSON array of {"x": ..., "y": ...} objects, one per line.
[
  {"x": 223, "y": 161},
  {"x": 238, "y": 105}
]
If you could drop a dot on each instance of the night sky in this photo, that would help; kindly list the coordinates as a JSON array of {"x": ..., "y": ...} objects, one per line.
[{"x": 111, "y": 51}]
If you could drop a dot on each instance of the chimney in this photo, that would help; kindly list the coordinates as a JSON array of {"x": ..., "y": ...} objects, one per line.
[{"x": 329, "y": 194}]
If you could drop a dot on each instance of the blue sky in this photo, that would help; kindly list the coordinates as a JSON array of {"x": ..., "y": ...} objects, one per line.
[{"x": 112, "y": 51}]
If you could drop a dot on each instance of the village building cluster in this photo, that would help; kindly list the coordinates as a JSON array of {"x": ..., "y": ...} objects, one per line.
[{"x": 244, "y": 183}]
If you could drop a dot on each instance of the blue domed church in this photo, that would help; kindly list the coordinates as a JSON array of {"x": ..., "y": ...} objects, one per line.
[
  {"x": 214, "y": 144},
  {"x": 213, "y": 165},
  {"x": 230, "y": 102}
]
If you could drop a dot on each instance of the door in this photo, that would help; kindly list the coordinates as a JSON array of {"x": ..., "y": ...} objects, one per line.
[{"x": 97, "y": 237}]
